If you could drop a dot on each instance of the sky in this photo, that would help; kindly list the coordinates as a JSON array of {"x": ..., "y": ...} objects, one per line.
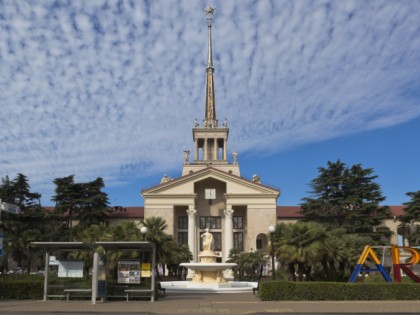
[{"x": 111, "y": 89}]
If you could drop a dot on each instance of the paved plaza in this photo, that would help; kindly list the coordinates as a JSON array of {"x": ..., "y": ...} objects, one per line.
[{"x": 239, "y": 303}]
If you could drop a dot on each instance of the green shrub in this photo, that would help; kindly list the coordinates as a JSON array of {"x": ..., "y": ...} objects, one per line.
[
  {"x": 329, "y": 291},
  {"x": 18, "y": 287}
]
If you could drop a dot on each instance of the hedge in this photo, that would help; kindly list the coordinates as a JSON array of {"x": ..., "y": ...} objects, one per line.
[
  {"x": 21, "y": 288},
  {"x": 338, "y": 291}
]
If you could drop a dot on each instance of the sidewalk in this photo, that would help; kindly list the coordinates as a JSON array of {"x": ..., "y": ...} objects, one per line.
[{"x": 238, "y": 303}]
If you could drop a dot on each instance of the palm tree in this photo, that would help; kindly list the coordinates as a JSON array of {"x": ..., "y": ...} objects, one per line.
[
  {"x": 126, "y": 231},
  {"x": 90, "y": 235},
  {"x": 179, "y": 253},
  {"x": 155, "y": 233},
  {"x": 249, "y": 265},
  {"x": 301, "y": 246}
]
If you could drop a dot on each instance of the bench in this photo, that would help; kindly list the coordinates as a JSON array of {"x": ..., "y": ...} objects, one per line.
[
  {"x": 69, "y": 291},
  {"x": 116, "y": 291},
  {"x": 128, "y": 291},
  {"x": 257, "y": 288},
  {"x": 163, "y": 290}
]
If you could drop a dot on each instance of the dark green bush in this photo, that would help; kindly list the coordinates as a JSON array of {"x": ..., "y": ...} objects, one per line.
[
  {"x": 18, "y": 287},
  {"x": 329, "y": 291}
]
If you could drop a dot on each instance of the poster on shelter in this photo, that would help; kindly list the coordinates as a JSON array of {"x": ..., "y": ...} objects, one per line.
[
  {"x": 70, "y": 269},
  {"x": 146, "y": 270},
  {"x": 129, "y": 271}
]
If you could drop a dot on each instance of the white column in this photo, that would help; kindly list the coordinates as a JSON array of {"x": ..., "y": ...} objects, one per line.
[
  {"x": 228, "y": 230},
  {"x": 191, "y": 238},
  {"x": 215, "y": 150},
  {"x": 205, "y": 150},
  {"x": 191, "y": 232},
  {"x": 196, "y": 149},
  {"x": 224, "y": 150}
]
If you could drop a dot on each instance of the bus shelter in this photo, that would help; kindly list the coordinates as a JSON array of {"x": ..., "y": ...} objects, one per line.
[{"x": 98, "y": 284}]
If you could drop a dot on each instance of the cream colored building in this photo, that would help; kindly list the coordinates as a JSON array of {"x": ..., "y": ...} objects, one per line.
[{"x": 210, "y": 192}]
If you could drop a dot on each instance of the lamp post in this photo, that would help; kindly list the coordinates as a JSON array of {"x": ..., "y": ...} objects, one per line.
[
  {"x": 272, "y": 229},
  {"x": 143, "y": 232}
]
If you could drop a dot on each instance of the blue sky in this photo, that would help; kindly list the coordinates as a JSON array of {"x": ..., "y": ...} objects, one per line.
[{"x": 112, "y": 88}]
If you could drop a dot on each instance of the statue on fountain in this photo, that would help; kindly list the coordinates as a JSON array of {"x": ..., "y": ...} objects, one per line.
[{"x": 208, "y": 241}]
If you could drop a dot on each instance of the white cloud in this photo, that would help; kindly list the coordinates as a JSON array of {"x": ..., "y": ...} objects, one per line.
[{"x": 112, "y": 88}]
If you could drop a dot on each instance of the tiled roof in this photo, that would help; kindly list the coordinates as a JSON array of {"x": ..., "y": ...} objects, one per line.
[
  {"x": 127, "y": 212},
  {"x": 292, "y": 212},
  {"x": 118, "y": 212}
]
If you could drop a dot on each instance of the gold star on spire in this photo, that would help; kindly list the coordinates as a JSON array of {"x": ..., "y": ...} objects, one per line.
[{"x": 209, "y": 11}]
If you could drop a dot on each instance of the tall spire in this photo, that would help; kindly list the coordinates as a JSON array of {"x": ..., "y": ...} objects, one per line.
[
  {"x": 210, "y": 140},
  {"x": 209, "y": 12},
  {"x": 210, "y": 120}
]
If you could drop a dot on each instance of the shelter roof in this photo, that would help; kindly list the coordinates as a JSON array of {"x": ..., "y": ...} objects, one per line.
[
  {"x": 64, "y": 245},
  {"x": 122, "y": 245},
  {"x": 293, "y": 212}
]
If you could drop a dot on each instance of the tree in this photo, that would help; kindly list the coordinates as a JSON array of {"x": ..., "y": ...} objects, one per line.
[
  {"x": 125, "y": 231},
  {"x": 156, "y": 227},
  {"x": 300, "y": 247},
  {"x": 312, "y": 252},
  {"x": 168, "y": 252},
  {"x": 249, "y": 266},
  {"x": 85, "y": 202},
  {"x": 412, "y": 215},
  {"x": 29, "y": 225},
  {"x": 340, "y": 254},
  {"x": 346, "y": 197},
  {"x": 179, "y": 253}
]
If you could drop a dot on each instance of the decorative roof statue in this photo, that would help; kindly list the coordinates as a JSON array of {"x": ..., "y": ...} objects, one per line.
[
  {"x": 235, "y": 158},
  {"x": 256, "y": 179},
  {"x": 186, "y": 157}
]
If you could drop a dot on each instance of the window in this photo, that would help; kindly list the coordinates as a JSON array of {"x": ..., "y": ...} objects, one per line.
[
  {"x": 259, "y": 243},
  {"x": 238, "y": 240},
  {"x": 217, "y": 237},
  {"x": 210, "y": 223},
  {"x": 183, "y": 238},
  {"x": 238, "y": 223},
  {"x": 182, "y": 222}
]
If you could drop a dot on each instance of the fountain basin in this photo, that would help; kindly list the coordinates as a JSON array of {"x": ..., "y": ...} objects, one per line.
[
  {"x": 205, "y": 287},
  {"x": 208, "y": 272}
]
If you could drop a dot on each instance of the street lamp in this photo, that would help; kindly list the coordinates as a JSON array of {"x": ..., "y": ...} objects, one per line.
[
  {"x": 143, "y": 232},
  {"x": 272, "y": 229}
]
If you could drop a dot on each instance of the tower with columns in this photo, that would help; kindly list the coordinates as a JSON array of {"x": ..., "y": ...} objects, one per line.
[{"x": 210, "y": 193}]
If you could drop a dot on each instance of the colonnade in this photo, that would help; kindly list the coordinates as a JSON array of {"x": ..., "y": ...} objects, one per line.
[
  {"x": 210, "y": 149},
  {"x": 228, "y": 232}
]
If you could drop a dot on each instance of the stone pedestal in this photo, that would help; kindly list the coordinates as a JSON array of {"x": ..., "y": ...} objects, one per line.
[
  {"x": 207, "y": 257},
  {"x": 209, "y": 276}
]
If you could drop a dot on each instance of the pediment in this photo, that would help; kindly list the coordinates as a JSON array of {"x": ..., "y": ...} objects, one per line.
[{"x": 236, "y": 185}]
